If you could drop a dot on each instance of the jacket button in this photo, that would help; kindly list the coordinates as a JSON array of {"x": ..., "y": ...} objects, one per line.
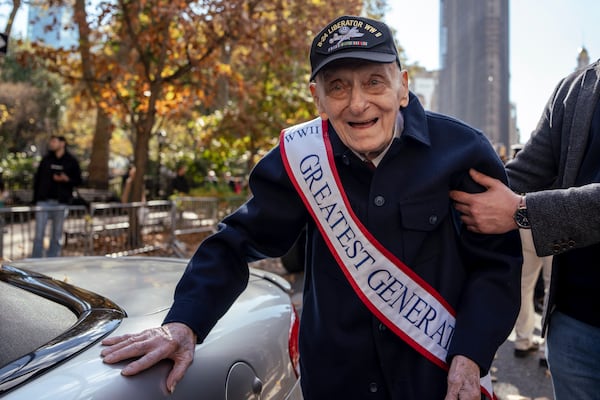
[
  {"x": 571, "y": 243},
  {"x": 379, "y": 201},
  {"x": 556, "y": 247},
  {"x": 345, "y": 160},
  {"x": 382, "y": 327},
  {"x": 373, "y": 388},
  {"x": 433, "y": 219}
]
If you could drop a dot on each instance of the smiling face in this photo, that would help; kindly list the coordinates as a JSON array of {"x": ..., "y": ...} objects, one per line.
[{"x": 362, "y": 101}]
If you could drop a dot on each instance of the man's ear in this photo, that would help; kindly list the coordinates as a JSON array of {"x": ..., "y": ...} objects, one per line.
[
  {"x": 405, "y": 90},
  {"x": 317, "y": 100}
]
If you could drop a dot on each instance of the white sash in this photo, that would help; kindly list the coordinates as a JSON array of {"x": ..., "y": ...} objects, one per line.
[{"x": 399, "y": 298}]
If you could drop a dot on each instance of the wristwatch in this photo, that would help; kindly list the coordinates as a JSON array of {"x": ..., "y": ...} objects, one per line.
[{"x": 521, "y": 217}]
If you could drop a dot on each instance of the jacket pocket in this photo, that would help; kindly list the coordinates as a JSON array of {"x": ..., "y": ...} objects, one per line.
[
  {"x": 424, "y": 223},
  {"x": 424, "y": 213}
]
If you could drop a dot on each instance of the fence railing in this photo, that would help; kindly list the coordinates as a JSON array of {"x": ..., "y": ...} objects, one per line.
[{"x": 114, "y": 228}]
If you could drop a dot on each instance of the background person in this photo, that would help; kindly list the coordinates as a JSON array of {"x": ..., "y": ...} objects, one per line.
[
  {"x": 533, "y": 265},
  {"x": 555, "y": 182},
  {"x": 56, "y": 176},
  {"x": 394, "y": 162},
  {"x": 179, "y": 184},
  {"x": 534, "y": 270}
]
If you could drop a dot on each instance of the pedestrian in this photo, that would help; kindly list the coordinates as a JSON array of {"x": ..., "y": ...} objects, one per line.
[
  {"x": 399, "y": 301},
  {"x": 533, "y": 267},
  {"x": 127, "y": 184},
  {"x": 556, "y": 195},
  {"x": 56, "y": 177},
  {"x": 179, "y": 184}
]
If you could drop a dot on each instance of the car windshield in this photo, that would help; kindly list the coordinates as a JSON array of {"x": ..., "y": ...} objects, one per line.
[{"x": 28, "y": 321}]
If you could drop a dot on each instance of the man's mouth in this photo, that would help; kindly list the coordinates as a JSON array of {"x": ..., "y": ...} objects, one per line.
[{"x": 363, "y": 124}]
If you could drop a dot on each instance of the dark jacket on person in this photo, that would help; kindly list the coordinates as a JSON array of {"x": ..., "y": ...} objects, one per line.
[
  {"x": 44, "y": 186},
  {"x": 345, "y": 351},
  {"x": 567, "y": 218},
  {"x": 179, "y": 184}
]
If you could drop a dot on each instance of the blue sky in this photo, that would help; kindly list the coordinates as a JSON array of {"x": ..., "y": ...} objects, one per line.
[{"x": 545, "y": 36}]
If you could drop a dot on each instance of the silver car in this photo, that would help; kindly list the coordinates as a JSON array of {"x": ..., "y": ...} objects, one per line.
[{"x": 54, "y": 312}]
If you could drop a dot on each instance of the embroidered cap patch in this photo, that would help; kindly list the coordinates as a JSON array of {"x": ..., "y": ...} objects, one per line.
[{"x": 352, "y": 37}]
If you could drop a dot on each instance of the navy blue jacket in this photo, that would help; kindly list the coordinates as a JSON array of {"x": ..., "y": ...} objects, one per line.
[
  {"x": 345, "y": 352},
  {"x": 44, "y": 186}
]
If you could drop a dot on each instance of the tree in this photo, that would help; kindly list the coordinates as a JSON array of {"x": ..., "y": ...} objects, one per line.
[
  {"x": 267, "y": 87},
  {"x": 241, "y": 66},
  {"x": 98, "y": 173},
  {"x": 11, "y": 17},
  {"x": 30, "y": 102}
]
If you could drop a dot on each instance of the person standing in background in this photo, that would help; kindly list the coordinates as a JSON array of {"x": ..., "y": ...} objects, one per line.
[
  {"x": 127, "y": 184},
  {"x": 533, "y": 265},
  {"x": 179, "y": 184},
  {"x": 56, "y": 176},
  {"x": 534, "y": 268}
]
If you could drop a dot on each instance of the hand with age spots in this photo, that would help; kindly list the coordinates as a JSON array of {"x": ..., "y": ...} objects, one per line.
[
  {"x": 463, "y": 380},
  {"x": 173, "y": 341}
]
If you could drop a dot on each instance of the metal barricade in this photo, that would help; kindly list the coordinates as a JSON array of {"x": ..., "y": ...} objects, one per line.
[
  {"x": 17, "y": 225},
  {"x": 230, "y": 204},
  {"x": 116, "y": 228},
  {"x": 119, "y": 229},
  {"x": 195, "y": 214}
]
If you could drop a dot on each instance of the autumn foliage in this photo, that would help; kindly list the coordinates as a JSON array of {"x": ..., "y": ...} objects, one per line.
[{"x": 212, "y": 71}]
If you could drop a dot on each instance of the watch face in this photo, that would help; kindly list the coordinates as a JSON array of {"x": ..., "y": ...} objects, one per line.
[{"x": 521, "y": 218}]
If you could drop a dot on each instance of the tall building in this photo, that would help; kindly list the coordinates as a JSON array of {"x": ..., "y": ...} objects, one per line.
[
  {"x": 474, "y": 66},
  {"x": 583, "y": 58},
  {"x": 51, "y": 25}
]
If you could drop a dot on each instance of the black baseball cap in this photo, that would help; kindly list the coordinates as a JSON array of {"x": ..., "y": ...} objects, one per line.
[{"x": 352, "y": 37}]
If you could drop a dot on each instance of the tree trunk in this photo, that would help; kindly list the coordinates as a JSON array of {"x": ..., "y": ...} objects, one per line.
[{"x": 98, "y": 173}]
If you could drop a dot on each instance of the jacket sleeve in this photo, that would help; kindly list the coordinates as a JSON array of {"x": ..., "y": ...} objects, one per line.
[
  {"x": 74, "y": 172},
  {"x": 565, "y": 219},
  {"x": 491, "y": 294}
]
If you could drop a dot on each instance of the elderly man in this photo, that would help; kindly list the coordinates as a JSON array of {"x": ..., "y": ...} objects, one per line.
[{"x": 400, "y": 301}]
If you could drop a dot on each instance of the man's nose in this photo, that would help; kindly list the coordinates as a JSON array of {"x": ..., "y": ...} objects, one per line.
[{"x": 358, "y": 100}]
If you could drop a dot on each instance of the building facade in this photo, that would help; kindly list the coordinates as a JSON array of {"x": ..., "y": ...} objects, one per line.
[{"x": 474, "y": 66}]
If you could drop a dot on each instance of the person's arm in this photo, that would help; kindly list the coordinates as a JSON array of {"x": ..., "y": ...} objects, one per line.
[
  {"x": 491, "y": 290},
  {"x": 491, "y": 211},
  {"x": 218, "y": 272},
  {"x": 561, "y": 219},
  {"x": 126, "y": 194},
  {"x": 564, "y": 219}
]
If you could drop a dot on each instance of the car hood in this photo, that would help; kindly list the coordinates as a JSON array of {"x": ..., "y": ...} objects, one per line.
[
  {"x": 143, "y": 287},
  {"x": 140, "y": 285}
]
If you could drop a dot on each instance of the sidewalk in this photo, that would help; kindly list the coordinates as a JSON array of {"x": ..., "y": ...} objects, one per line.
[{"x": 520, "y": 378}]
